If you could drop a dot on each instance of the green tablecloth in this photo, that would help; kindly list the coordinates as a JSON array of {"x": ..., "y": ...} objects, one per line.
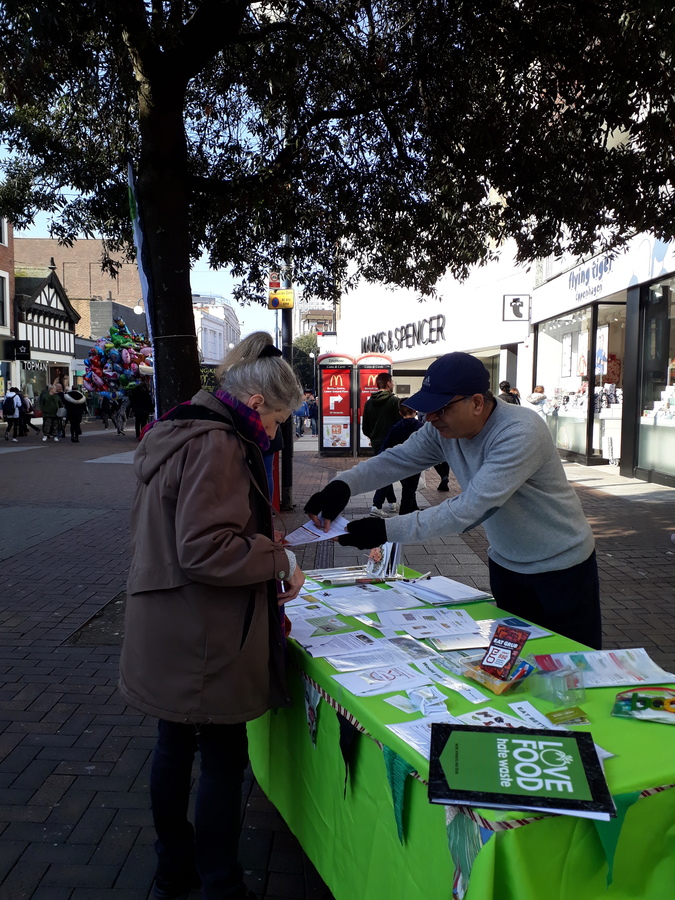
[{"x": 353, "y": 842}]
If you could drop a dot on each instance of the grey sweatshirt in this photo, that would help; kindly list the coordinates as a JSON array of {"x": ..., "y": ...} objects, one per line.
[{"x": 512, "y": 481}]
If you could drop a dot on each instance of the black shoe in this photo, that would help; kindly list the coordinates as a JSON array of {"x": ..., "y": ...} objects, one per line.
[
  {"x": 443, "y": 486},
  {"x": 175, "y": 890}
]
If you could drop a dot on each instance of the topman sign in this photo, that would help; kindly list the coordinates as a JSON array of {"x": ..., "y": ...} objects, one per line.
[{"x": 426, "y": 331}]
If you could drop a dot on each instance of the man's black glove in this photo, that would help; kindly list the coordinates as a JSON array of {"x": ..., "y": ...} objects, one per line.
[
  {"x": 365, "y": 533},
  {"x": 329, "y": 502}
]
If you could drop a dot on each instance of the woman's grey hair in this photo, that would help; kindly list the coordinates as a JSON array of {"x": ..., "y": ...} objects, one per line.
[{"x": 245, "y": 372}]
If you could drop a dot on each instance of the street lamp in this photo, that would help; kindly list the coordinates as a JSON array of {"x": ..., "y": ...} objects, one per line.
[{"x": 313, "y": 356}]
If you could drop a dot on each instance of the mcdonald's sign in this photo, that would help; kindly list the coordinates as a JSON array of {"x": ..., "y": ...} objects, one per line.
[
  {"x": 336, "y": 381},
  {"x": 372, "y": 380}
]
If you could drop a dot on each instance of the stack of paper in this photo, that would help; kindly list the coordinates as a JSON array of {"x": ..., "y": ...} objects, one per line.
[{"x": 443, "y": 591}]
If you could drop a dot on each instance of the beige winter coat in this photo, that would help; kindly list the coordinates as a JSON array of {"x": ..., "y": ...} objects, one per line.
[{"x": 203, "y": 640}]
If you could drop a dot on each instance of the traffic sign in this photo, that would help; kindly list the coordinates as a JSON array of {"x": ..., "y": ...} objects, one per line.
[
  {"x": 275, "y": 281},
  {"x": 281, "y": 299}
]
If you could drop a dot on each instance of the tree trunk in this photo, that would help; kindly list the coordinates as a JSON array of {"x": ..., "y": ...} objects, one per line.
[{"x": 164, "y": 204}]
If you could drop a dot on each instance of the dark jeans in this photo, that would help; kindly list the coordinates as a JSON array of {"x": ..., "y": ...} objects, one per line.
[
  {"x": 566, "y": 601},
  {"x": 13, "y": 425},
  {"x": 211, "y": 846},
  {"x": 443, "y": 470},
  {"x": 382, "y": 494},
  {"x": 408, "y": 491},
  {"x": 140, "y": 421}
]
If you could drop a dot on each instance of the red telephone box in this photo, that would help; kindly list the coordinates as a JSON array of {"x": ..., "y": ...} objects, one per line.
[
  {"x": 368, "y": 367},
  {"x": 336, "y": 433}
]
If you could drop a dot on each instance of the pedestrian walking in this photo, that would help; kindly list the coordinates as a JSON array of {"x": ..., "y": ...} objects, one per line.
[
  {"x": 75, "y": 404},
  {"x": 537, "y": 401},
  {"x": 140, "y": 401},
  {"x": 505, "y": 392},
  {"x": 313, "y": 407},
  {"x": 62, "y": 412},
  {"x": 27, "y": 413},
  {"x": 106, "y": 410},
  {"x": 380, "y": 413},
  {"x": 542, "y": 552},
  {"x": 50, "y": 404},
  {"x": 203, "y": 644},
  {"x": 300, "y": 414},
  {"x": 399, "y": 434},
  {"x": 11, "y": 413}
]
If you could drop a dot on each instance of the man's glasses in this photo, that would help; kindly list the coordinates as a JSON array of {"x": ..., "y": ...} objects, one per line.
[{"x": 440, "y": 412}]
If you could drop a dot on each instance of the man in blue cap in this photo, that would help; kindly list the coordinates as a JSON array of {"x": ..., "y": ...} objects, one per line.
[{"x": 541, "y": 547}]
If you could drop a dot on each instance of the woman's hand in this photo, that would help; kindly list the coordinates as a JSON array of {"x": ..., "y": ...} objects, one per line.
[{"x": 292, "y": 586}]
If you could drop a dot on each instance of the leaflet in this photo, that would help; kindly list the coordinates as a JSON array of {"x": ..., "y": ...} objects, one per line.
[
  {"x": 459, "y": 642},
  {"x": 384, "y": 652},
  {"x": 491, "y": 718},
  {"x": 608, "y": 668},
  {"x": 470, "y": 693},
  {"x": 426, "y": 623},
  {"x": 383, "y": 680},
  {"x": 309, "y": 533},
  {"x": 330, "y": 645},
  {"x": 301, "y": 611},
  {"x": 365, "y": 598},
  {"x": 303, "y": 629},
  {"x": 417, "y": 734},
  {"x": 442, "y": 591},
  {"x": 489, "y": 626}
]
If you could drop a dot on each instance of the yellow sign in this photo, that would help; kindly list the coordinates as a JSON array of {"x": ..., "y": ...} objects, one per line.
[
  {"x": 336, "y": 380},
  {"x": 282, "y": 298}
]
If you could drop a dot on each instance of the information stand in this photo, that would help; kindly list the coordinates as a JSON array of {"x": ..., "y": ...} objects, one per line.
[
  {"x": 368, "y": 367},
  {"x": 336, "y": 431}
]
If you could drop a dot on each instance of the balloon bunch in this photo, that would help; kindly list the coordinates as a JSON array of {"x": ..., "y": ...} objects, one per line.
[{"x": 118, "y": 362}]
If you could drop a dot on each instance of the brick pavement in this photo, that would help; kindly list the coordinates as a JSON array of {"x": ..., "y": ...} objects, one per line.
[{"x": 74, "y": 814}]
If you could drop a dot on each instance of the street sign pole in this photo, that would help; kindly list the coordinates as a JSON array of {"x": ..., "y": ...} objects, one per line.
[{"x": 288, "y": 428}]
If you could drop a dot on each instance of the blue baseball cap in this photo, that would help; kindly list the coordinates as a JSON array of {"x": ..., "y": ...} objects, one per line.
[{"x": 450, "y": 375}]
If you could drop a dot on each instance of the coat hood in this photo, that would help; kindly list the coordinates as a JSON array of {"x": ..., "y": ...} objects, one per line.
[
  {"x": 536, "y": 398},
  {"x": 168, "y": 436},
  {"x": 380, "y": 397}
]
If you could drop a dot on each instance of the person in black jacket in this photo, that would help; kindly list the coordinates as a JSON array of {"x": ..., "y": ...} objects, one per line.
[
  {"x": 141, "y": 404},
  {"x": 398, "y": 434},
  {"x": 506, "y": 394}
]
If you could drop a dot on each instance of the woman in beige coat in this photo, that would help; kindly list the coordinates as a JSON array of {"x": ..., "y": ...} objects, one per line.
[{"x": 203, "y": 648}]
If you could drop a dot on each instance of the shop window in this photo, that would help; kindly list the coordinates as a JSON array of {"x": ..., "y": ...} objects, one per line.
[
  {"x": 656, "y": 441},
  {"x": 563, "y": 372}
]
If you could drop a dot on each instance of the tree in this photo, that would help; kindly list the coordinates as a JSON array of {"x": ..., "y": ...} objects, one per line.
[
  {"x": 376, "y": 139},
  {"x": 303, "y": 363}
]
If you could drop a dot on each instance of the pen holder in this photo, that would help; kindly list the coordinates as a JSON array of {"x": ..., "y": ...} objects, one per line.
[
  {"x": 561, "y": 687},
  {"x": 521, "y": 671}
]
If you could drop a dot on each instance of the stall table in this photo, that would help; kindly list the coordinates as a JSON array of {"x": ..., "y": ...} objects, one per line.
[{"x": 347, "y": 826}]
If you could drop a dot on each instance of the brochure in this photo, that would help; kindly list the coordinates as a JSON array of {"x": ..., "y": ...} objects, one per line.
[
  {"x": 383, "y": 652},
  {"x": 503, "y": 652},
  {"x": 329, "y": 645},
  {"x": 417, "y": 734},
  {"x": 303, "y": 629},
  {"x": 489, "y": 626},
  {"x": 309, "y": 533},
  {"x": 470, "y": 693},
  {"x": 365, "y": 598},
  {"x": 384, "y": 680},
  {"x": 608, "y": 668},
  {"x": 443, "y": 591},
  {"x": 425, "y": 623},
  {"x": 530, "y": 768},
  {"x": 459, "y": 642}
]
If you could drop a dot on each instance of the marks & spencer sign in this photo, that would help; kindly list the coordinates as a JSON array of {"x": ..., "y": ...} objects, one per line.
[{"x": 412, "y": 334}]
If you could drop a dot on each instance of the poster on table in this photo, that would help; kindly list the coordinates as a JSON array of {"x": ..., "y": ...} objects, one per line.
[{"x": 336, "y": 406}]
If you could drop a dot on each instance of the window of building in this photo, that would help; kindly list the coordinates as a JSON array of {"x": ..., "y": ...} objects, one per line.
[
  {"x": 3, "y": 231},
  {"x": 4, "y": 298}
]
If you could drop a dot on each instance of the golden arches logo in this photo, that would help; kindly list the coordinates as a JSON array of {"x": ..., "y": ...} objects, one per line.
[
  {"x": 336, "y": 381},
  {"x": 372, "y": 380}
]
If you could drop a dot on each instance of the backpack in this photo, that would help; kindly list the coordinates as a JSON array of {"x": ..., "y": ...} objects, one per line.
[{"x": 8, "y": 407}]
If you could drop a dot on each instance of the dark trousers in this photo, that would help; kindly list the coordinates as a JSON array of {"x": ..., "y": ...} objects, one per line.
[
  {"x": 408, "y": 491},
  {"x": 566, "y": 601},
  {"x": 382, "y": 494},
  {"x": 443, "y": 470},
  {"x": 211, "y": 846},
  {"x": 13, "y": 425},
  {"x": 140, "y": 421}
]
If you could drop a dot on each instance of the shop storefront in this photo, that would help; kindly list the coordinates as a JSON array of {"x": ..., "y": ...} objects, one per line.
[{"x": 605, "y": 357}]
